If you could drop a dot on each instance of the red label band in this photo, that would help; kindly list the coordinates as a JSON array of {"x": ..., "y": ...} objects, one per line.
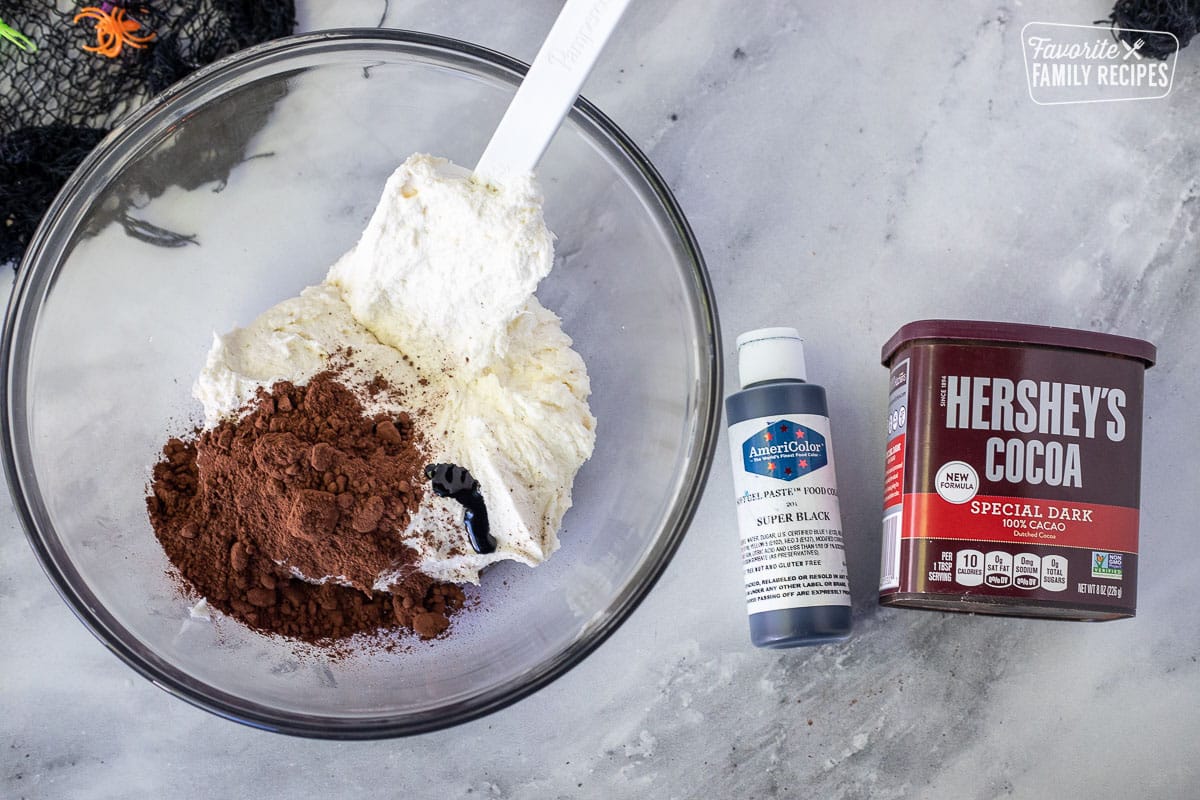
[
  {"x": 1021, "y": 520},
  {"x": 893, "y": 472}
]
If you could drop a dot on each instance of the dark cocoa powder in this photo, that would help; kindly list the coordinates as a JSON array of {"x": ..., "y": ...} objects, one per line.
[{"x": 303, "y": 481}]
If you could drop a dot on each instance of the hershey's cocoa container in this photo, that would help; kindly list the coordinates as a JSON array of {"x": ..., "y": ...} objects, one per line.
[{"x": 1013, "y": 469}]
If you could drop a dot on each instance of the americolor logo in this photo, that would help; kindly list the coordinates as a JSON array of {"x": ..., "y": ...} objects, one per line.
[
  {"x": 1107, "y": 565},
  {"x": 785, "y": 450}
]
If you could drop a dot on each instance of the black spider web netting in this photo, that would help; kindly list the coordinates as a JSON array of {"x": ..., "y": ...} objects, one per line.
[
  {"x": 58, "y": 100},
  {"x": 1180, "y": 17}
]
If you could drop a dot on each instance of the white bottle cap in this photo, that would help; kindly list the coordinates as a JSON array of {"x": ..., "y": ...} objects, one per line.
[{"x": 770, "y": 354}]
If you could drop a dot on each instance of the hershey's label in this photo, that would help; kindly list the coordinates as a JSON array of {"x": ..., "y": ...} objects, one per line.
[
  {"x": 1062, "y": 411},
  {"x": 1043, "y": 407},
  {"x": 1024, "y": 421}
]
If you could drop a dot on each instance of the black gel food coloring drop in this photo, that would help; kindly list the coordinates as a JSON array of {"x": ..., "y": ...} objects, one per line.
[{"x": 455, "y": 482}]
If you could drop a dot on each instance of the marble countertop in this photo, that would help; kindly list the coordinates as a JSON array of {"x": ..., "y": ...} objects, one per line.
[{"x": 888, "y": 166}]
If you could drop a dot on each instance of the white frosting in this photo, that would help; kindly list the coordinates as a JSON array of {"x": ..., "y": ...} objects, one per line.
[
  {"x": 293, "y": 341},
  {"x": 446, "y": 263},
  {"x": 444, "y": 274}
]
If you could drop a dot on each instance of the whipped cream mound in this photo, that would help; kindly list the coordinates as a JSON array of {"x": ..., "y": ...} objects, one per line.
[
  {"x": 293, "y": 341},
  {"x": 437, "y": 298},
  {"x": 446, "y": 263}
]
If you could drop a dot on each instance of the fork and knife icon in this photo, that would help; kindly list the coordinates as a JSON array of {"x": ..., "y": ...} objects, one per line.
[{"x": 1132, "y": 50}]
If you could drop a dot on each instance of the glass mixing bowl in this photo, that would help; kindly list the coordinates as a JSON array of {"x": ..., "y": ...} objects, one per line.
[{"x": 234, "y": 190}]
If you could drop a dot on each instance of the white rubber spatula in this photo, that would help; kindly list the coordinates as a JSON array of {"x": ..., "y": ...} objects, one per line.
[{"x": 550, "y": 88}]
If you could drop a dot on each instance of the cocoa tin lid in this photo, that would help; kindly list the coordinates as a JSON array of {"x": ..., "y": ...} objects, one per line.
[{"x": 963, "y": 330}]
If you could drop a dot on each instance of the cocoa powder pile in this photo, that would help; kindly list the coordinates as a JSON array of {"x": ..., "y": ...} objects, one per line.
[{"x": 303, "y": 481}]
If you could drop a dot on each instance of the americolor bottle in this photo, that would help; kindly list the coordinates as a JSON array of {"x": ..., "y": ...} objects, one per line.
[{"x": 797, "y": 590}]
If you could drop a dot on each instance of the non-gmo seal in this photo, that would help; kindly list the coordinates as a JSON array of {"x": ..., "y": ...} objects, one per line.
[{"x": 956, "y": 482}]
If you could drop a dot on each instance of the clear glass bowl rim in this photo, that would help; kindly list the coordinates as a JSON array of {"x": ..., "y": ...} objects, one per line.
[{"x": 32, "y": 283}]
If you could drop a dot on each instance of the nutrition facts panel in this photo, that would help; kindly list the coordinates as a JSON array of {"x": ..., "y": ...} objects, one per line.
[{"x": 1000, "y": 569}]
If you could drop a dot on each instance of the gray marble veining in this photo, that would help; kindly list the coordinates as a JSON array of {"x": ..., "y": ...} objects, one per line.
[{"x": 846, "y": 170}]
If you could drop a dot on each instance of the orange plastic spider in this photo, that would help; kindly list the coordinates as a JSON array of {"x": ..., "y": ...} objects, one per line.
[{"x": 114, "y": 30}]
